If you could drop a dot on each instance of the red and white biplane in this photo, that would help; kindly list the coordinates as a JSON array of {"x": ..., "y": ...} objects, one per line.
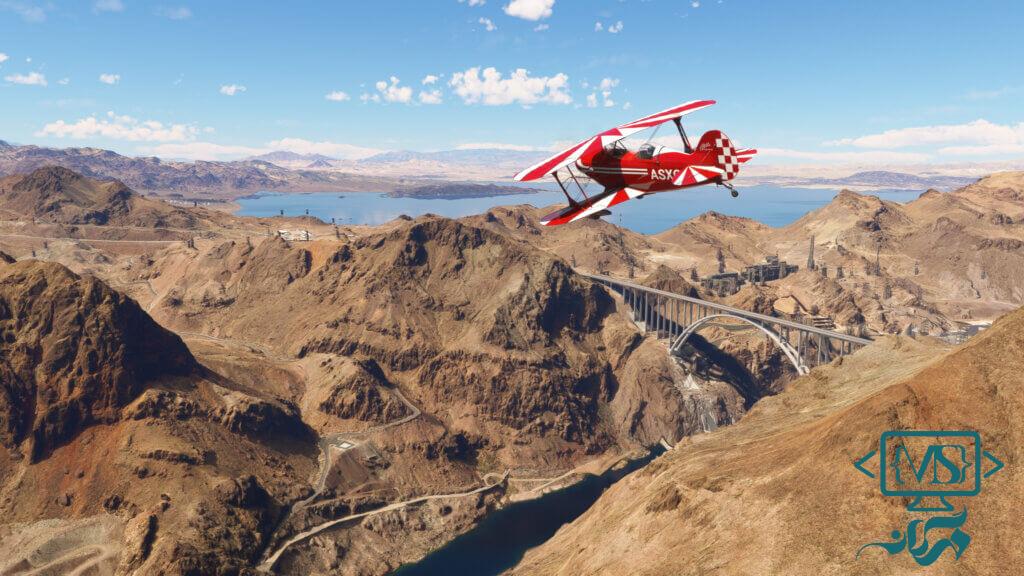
[{"x": 626, "y": 174}]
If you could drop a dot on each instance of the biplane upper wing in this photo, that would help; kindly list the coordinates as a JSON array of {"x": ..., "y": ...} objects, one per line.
[
  {"x": 593, "y": 145},
  {"x": 591, "y": 207}
]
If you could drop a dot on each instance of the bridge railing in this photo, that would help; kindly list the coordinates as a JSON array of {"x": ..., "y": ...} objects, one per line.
[{"x": 724, "y": 308}]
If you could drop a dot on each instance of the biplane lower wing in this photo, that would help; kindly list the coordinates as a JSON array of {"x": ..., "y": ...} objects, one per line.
[{"x": 596, "y": 206}]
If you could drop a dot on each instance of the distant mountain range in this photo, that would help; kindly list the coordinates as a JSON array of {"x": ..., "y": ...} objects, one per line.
[
  {"x": 875, "y": 179},
  {"x": 284, "y": 156},
  {"x": 470, "y": 156},
  {"x": 395, "y": 171},
  {"x": 199, "y": 179}
]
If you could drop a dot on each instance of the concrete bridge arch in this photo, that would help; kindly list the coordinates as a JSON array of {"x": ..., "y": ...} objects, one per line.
[{"x": 786, "y": 348}]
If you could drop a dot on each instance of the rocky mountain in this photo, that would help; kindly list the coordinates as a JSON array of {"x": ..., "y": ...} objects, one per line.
[
  {"x": 440, "y": 352},
  {"x": 59, "y": 196},
  {"x": 62, "y": 372},
  {"x": 487, "y": 327},
  {"x": 200, "y": 179},
  {"x": 121, "y": 453},
  {"x": 750, "y": 498}
]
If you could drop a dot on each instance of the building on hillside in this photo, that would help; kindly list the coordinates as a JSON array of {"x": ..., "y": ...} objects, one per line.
[
  {"x": 964, "y": 334},
  {"x": 295, "y": 235},
  {"x": 823, "y": 322},
  {"x": 771, "y": 269},
  {"x": 725, "y": 283}
]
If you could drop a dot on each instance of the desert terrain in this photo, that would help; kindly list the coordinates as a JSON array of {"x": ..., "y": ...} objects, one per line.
[{"x": 187, "y": 391}]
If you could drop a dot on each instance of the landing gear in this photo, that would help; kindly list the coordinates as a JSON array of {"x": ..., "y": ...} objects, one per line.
[{"x": 735, "y": 193}]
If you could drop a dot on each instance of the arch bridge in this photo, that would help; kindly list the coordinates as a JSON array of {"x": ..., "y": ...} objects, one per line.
[{"x": 677, "y": 317}]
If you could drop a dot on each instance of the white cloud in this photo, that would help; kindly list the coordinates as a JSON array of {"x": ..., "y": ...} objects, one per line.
[
  {"x": 64, "y": 81},
  {"x": 30, "y": 79},
  {"x": 598, "y": 27},
  {"x": 337, "y": 96},
  {"x": 605, "y": 88},
  {"x": 488, "y": 87},
  {"x": 429, "y": 79},
  {"x": 856, "y": 157},
  {"x": 333, "y": 149},
  {"x": 473, "y": 2},
  {"x": 430, "y": 96},
  {"x": 488, "y": 25},
  {"x": 541, "y": 27},
  {"x": 983, "y": 150},
  {"x": 615, "y": 28},
  {"x": 978, "y": 132},
  {"x": 695, "y": 3},
  {"x": 627, "y": 105},
  {"x": 529, "y": 9},
  {"x": 202, "y": 151},
  {"x": 992, "y": 94},
  {"x": 108, "y": 6},
  {"x": 213, "y": 151},
  {"x": 174, "y": 12},
  {"x": 117, "y": 127},
  {"x": 499, "y": 146},
  {"x": 3, "y": 57},
  {"x": 28, "y": 11},
  {"x": 390, "y": 91},
  {"x": 231, "y": 89},
  {"x": 110, "y": 78}
]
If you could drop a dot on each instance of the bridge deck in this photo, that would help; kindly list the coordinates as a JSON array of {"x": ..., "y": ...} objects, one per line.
[{"x": 762, "y": 318}]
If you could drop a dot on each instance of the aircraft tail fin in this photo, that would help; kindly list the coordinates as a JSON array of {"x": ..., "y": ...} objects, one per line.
[{"x": 722, "y": 154}]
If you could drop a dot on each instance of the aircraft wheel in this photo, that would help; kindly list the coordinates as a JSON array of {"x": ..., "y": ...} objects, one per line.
[{"x": 734, "y": 193}]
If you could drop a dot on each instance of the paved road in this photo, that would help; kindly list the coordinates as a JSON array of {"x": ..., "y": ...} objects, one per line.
[
  {"x": 272, "y": 559},
  {"x": 335, "y": 440}
]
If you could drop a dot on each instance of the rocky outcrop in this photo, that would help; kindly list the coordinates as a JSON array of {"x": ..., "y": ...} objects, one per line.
[
  {"x": 73, "y": 352},
  {"x": 361, "y": 391},
  {"x": 224, "y": 532},
  {"x": 667, "y": 279}
]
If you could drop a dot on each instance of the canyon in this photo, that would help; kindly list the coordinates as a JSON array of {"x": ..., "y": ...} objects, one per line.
[{"x": 188, "y": 391}]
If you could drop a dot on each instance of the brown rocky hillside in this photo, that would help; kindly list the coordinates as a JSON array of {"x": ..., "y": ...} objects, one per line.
[
  {"x": 73, "y": 352},
  {"x": 118, "y": 451},
  {"x": 777, "y": 493}
]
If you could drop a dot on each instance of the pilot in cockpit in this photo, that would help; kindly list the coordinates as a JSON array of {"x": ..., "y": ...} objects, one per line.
[{"x": 646, "y": 151}]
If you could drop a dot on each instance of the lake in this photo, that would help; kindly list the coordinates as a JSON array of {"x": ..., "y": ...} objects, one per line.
[
  {"x": 772, "y": 205},
  {"x": 503, "y": 537}
]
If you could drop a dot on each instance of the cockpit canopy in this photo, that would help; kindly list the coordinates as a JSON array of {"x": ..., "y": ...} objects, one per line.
[{"x": 646, "y": 151}]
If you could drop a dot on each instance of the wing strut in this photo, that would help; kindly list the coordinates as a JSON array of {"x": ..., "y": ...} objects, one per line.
[
  {"x": 572, "y": 201},
  {"x": 682, "y": 134}
]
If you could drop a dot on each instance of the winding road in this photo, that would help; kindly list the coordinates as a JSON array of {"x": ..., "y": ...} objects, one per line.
[{"x": 272, "y": 559}]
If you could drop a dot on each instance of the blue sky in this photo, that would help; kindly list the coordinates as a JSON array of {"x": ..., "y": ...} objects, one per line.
[{"x": 837, "y": 82}]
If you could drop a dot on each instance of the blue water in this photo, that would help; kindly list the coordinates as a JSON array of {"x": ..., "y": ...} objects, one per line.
[
  {"x": 771, "y": 205},
  {"x": 503, "y": 537}
]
